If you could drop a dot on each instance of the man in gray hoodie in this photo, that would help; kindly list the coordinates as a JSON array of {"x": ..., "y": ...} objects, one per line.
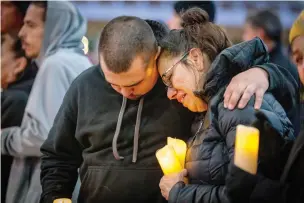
[{"x": 52, "y": 34}]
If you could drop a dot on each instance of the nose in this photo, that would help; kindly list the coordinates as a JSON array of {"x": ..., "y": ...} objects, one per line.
[
  {"x": 126, "y": 91},
  {"x": 21, "y": 32},
  {"x": 171, "y": 93}
]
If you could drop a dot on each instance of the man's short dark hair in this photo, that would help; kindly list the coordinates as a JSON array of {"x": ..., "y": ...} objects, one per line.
[
  {"x": 41, "y": 4},
  {"x": 22, "y": 6},
  {"x": 268, "y": 21},
  {"x": 122, "y": 39},
  {"x": 208, "y": 6}
]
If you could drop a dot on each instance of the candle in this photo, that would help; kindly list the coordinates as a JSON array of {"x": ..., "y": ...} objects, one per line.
[
  {"x": 168, "y": 160},
  {"x": 62, "y": 200},
  {"x": 180, "y": 149},
  {"x": 246, "y": 148}
]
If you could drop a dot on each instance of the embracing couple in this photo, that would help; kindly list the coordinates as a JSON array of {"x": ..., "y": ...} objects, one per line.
[{"x": 116, "y": 115}]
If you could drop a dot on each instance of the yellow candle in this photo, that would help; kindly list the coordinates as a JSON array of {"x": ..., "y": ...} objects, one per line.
[
  {"x": 168, "y": 160},
  {"x": 180, "y": 149},
  {"x": 62, "y": 200},
  {"x": 246, "y": 148}
]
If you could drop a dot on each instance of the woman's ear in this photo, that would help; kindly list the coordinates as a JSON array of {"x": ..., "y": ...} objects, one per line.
[
  {"x": 196, "y": 56},
  {"x": 158, "y": 52},
  {"x": 20, "y": 65}
]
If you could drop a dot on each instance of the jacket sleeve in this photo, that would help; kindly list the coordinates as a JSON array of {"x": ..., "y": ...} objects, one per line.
[
  {"x": 284, "y": 83},
  {"x": 181, "y": 193},
  {"x": 43, "y": 104},
  {"x": 207, "y": 193},
  {"x": 244, "y": 187},
  {"x": 62, "y": 153}
]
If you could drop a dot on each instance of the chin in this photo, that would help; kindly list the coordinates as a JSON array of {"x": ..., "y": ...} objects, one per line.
[{"x": 196, "y": 109}]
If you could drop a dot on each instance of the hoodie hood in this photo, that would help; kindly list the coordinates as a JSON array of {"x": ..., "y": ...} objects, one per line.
[{"x": 64, "y": 29}]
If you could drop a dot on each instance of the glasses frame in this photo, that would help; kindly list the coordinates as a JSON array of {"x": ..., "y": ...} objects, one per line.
[{"x": 169, "y": 69}]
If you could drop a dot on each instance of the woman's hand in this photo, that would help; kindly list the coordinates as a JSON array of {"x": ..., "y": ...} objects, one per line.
[{"x": 168, "y": 181}]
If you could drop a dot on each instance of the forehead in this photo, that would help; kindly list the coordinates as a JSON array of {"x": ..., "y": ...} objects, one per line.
[
  {"x": 298, "y": 45},
  {"x": 136, "y": 72},
  {"x": 34, "y": 13},
  {"x": 166, "y": 62}
]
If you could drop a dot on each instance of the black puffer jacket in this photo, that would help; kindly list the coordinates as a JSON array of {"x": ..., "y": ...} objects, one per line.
[{"x": 211, "y": 149}]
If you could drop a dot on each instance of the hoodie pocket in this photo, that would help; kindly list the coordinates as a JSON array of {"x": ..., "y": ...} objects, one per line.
[{"x": 118, "y": 184}]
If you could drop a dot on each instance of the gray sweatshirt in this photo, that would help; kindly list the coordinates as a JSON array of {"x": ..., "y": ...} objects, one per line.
[{"x": 60, "y": 61}]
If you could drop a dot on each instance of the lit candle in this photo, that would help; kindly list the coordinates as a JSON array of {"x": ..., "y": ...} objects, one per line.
[
  {"x": 62, "y": 200},
  {"x": 168, "y": 160},
  {"x": 246, "y": 148},
  {"x": 180, "y": 149}
]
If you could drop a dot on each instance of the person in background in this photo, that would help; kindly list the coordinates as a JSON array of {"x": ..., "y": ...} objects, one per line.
[
  {"x": 16, "y": 82},
  {"x": 15, "y": 75},
  {"x": 12, "y": 14},
  {"x": 266, "y": 25},
  {"x": 197, "y": 63},
  {"x": 181, "y": 6},
  {"x": 51, "y": 34},
  {"x": 242, "y": 186}
]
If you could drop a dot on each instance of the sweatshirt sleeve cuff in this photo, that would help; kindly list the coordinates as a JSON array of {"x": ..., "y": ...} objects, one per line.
[
  {"x": 173, "y": 194},
  {"x": 270, "y": 73}
]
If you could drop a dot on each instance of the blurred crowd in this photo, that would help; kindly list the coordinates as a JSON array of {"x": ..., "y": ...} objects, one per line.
[{"x": 50, "y": 91}]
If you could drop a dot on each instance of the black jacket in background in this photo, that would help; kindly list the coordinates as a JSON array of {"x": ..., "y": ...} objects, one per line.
[
  {"x": 13, "y": 103},
  {"x": 277, "y": 56},
  {"x": 211, "y": 148},
  {"x": 82, "y": 136},
  {"x": 244, "y": 187}
]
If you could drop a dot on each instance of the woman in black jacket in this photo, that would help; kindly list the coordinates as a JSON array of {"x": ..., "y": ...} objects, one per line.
[{"x": 197, "y": 63}]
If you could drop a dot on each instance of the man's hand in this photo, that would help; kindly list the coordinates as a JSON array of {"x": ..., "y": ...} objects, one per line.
[
  {"x": 168, "y": 181},
  {"x": 243, "y": 86}
]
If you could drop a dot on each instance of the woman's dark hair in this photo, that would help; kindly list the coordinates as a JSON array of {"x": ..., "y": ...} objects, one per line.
[
  {"x": 197, "y": 32},
  {"x": 159, "y": 29}
]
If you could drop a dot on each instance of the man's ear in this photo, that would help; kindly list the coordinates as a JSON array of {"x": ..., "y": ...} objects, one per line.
[
  {"x": 196, "y": 56},
  {"x": 20, "y": 65},
  {"x": 158, "y": 52}
]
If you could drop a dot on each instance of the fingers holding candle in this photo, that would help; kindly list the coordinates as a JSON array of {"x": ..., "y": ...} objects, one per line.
[{"x": 168, "y": 181}]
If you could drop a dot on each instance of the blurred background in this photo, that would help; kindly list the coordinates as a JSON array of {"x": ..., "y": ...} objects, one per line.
[{"x": 229, "y": 14}]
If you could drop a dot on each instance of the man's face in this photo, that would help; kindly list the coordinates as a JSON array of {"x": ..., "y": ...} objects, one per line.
[
  {"x": 32, "y": 31},
  {"x": 250, "y": 32},
  {"x": 175, "y": 22},
  {"x": 11, "y": 18},
  {"x": 137, "y": 81},
  {"x": 297, "y": 49}
]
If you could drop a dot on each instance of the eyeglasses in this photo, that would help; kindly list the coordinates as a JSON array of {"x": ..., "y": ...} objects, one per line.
[{"x": 167, "y": 77}]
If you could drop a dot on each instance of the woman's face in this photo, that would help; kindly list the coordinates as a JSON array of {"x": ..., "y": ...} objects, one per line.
[
  {"x": 297, "y": 49},
  {"x": 182, "y": 75}
]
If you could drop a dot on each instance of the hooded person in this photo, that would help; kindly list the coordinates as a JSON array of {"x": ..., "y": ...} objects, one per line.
[{"x": 52, "y": 34}]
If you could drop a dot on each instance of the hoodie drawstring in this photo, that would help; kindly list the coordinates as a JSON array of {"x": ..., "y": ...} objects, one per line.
[{"x": 136, "y": 132}]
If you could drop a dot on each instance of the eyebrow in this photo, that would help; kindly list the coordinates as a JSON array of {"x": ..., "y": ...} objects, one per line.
[{"x": 134, "y": 84}]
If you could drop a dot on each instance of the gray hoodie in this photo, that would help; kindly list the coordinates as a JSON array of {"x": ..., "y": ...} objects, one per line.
[{"x": 60, "y": 61}]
